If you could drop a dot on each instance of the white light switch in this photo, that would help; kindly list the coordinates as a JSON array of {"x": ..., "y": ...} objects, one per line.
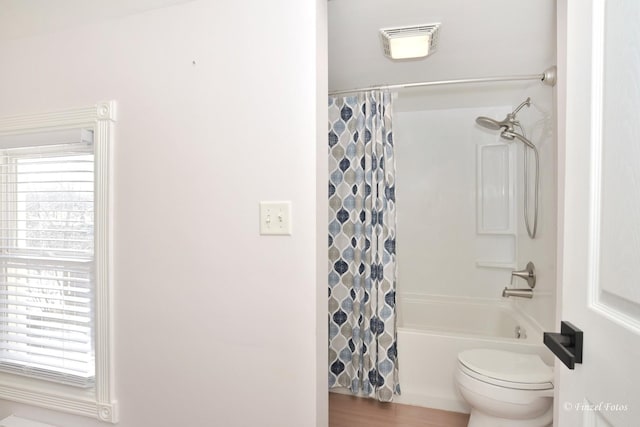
[{"x": 275, "y": 218}]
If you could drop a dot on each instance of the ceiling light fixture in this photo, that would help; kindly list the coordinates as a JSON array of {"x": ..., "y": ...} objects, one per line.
[{"x": 415, "y": 41}]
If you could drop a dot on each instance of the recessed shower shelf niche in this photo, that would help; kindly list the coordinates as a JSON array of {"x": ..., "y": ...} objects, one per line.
[
  {"x": 496, "y": 205},
  {"x": 496, "y": 251}
]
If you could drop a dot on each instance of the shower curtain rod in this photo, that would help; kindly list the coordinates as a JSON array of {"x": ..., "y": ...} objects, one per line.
[{"x": 548, "y": 78}]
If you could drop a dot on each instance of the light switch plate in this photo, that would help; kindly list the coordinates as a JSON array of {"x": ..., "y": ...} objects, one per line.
[{"x": 275, "y": 218}]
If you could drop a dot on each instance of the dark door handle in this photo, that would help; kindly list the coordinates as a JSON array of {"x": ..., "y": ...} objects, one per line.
[{"x": 567, "y": 345}]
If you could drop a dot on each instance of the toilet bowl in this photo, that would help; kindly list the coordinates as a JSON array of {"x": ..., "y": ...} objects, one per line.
[{"x": 505, "y": 389}]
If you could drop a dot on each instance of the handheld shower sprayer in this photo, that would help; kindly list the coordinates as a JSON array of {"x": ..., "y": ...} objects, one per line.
[
  {"x": 507, "y": 128},
  {"x": 511, "y": 135}
]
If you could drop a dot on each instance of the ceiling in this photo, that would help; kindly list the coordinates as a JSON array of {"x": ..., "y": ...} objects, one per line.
[
  {"x": 477, "y": 39},
  {"x": 25, "y": 18}
]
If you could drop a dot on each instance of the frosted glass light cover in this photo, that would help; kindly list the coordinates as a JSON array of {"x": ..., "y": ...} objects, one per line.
[{"x": 409, "y": 47}]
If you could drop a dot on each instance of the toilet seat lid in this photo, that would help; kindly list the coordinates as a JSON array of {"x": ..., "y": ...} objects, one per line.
[{"x": 507, "y": 366}]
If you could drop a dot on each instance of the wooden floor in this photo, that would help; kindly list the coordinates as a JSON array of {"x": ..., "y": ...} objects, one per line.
[{"x": 350, "y": 411}]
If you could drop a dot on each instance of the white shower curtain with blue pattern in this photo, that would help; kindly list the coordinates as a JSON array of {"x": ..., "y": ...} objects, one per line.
[{"x": 362, "y": 242}]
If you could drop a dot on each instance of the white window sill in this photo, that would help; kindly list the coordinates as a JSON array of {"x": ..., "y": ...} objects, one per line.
[
  {"x": 14, "y": 421},
  {"x": 58, "y": 397}
]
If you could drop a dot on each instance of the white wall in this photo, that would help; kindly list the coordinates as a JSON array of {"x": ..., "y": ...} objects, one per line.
[
  {"x": 26, "y": 18},
  {"x": 218, "y": 108}
]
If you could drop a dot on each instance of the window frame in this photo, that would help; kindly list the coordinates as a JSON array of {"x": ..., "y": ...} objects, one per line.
[{"x": 98, "y": 402}]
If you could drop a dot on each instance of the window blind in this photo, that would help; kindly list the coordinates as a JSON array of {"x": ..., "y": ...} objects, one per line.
[{"x": 47, "y": 262}]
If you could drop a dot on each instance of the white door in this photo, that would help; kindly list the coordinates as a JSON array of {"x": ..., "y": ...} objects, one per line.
[{"x": 599, "y": 269}]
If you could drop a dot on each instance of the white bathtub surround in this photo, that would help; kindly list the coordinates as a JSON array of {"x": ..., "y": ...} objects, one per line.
[
  {"x": 460, "y": 194},
  {"x": 433, "y": 330},
  {"x": 469, "y": 316}
]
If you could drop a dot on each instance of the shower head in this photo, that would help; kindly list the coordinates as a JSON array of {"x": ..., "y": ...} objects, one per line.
[
  {"x": 489, "y": 123},
  {"x": 507, "y": 124}
]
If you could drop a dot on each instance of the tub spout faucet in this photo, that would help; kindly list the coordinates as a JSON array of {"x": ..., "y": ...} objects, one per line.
[
  {"x": 520, "y": 293},
  {"x": 528, "y": 274}
]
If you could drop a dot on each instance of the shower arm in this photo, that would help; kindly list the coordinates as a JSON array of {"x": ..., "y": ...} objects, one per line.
[
  {"x": 511, "y": 121},
  {"x": 526, "y": 102}
]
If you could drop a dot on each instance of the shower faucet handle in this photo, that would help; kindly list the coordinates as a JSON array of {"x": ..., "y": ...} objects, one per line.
[{"x": 528, "y": 274}]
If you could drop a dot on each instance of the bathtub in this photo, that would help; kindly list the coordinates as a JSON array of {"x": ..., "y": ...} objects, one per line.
[{"x": 433, "y": 330}]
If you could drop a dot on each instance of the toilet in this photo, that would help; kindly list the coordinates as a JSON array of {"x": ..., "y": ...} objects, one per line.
[{"x": 505, "y": 389}]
